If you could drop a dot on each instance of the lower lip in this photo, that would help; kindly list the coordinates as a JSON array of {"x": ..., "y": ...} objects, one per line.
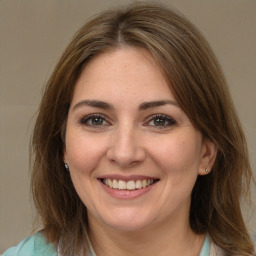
[{"x": 126, "y": 194}]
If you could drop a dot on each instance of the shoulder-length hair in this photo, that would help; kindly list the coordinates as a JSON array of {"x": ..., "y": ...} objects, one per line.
[{"x": 199, "y": 86}]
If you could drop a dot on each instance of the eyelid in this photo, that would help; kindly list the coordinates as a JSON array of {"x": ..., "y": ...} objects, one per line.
[
  {"x": 163, "y": 116},
  {"x": 85, "y": 118}
]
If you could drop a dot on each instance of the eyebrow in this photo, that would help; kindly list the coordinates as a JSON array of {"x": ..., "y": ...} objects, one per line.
[
  {"x": 157, "y": 103},
  {"x": 93, "y": 103},
  {"x": 107, "y": 106}
]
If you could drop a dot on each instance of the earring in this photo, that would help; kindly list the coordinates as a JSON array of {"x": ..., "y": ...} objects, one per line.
[
  {"x": 66, "y": 167},
  {"x": 206, "y": 170}
]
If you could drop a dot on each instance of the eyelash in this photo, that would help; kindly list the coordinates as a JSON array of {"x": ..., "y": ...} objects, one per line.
[
  {"x": 85, "y": 120},
  {"x": 168, "y": 121},
  {"x": 165, "y": 121}
]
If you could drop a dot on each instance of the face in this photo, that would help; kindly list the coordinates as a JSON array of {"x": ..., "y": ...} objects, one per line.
[{"x": 133, "y": 154}]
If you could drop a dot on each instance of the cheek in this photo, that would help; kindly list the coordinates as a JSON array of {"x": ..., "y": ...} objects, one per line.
[
  {"x": 83, "y": 152},
  {"x": 179, "y": 155}
]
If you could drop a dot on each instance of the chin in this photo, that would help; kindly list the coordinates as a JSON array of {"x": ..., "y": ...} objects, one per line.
[
  {"x": 127, "y": 221},
  {"x": 126, "y": 226}
]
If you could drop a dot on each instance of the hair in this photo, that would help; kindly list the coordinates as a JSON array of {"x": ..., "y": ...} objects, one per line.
[{"x": 198, "y": 84}]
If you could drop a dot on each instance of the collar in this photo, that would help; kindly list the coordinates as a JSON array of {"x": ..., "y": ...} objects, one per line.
[{"x": 205, "y": 251}]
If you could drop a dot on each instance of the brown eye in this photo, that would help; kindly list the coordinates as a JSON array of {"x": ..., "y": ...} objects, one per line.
[
  {"x": 94, "y": 120},
  {"x": 161, "y": 121}
]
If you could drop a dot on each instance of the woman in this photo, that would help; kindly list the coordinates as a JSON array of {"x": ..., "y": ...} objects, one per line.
[{"x": 137, "y": 147}]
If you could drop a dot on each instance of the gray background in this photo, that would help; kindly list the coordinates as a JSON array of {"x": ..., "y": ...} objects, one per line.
[{"x": 34, "y": 33}]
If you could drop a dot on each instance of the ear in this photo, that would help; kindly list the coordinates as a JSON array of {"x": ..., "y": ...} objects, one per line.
[
  {"x": 208, "y": 156},
  {"x": 64, "y": 154}
]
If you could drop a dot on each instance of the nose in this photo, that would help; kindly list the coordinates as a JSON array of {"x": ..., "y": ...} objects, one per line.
[{"x": 126, "y": 148}]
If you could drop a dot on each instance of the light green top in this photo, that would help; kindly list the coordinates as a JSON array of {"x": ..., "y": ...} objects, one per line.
[
  {"x": 205, "y": 251},
  {"x": 32, "y": 246},
  {"x": 36, "y": 245}
]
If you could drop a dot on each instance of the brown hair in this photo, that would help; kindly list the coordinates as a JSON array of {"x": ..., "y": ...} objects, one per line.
[{"x": 199, "y": 87}]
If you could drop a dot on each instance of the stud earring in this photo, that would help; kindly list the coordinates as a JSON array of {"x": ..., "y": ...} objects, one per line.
[
  {"x": 66, "y": 167},
  {"x": 206, "y": 170}
]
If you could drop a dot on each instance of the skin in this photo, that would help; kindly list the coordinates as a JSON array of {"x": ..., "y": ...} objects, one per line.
[{"x": 126, "y": 138}]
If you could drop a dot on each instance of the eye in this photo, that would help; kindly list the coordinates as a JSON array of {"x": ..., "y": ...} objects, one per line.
[
  {"x": 94, "y": 120},
  {"x": 161, "y": 121}
]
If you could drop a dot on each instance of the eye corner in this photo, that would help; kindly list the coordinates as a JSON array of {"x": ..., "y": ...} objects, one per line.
[
  {"x": 160, "y": 121},
  {"x": 94, "y": 120}
]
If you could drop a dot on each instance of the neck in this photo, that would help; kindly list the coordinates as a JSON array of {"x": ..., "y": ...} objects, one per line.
[{"x": 166, "y": 239}]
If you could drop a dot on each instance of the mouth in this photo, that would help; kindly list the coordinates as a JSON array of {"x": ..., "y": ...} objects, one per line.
[{"x": 129, "y": 185}]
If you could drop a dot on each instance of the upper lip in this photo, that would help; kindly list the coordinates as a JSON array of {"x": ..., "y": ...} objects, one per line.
[{"x": 127, "y": 178}]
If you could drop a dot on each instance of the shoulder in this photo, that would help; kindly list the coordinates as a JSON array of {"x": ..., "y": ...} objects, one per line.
[
  {"x": 31, "y": 246},
  {"x": 253, "y": 237},
  {"x": 217, "y": 251}
]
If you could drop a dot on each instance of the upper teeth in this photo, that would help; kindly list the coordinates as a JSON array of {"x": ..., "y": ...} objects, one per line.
[{"x": 129, "y": 185}]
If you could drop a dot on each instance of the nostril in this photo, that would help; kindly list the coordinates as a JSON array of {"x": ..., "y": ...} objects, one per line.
[{"x": 126, "y": 157}]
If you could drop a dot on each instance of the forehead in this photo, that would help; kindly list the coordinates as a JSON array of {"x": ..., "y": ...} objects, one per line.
[{"x": 123, "y": 72}]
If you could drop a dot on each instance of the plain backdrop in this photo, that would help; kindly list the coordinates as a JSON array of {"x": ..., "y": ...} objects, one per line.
[{"x": 33, "y": 35}]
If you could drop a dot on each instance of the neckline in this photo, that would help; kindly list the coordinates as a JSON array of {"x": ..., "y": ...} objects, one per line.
[{"x": 205, "y": 251}]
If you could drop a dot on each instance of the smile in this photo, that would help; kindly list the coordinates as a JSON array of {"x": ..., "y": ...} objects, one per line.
[{"x": 128, "y": 185}]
